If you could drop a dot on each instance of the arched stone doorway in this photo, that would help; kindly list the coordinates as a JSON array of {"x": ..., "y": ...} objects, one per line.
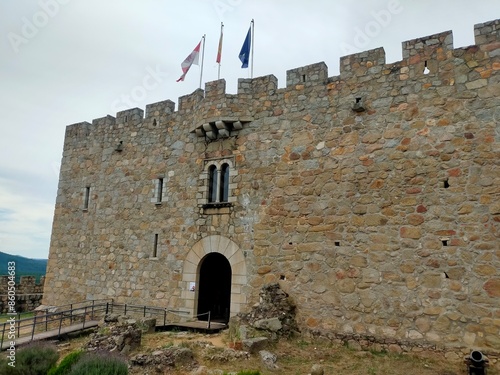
[
  {"x": 193, "y": 264},
  {"x": 214, "y": 288}
]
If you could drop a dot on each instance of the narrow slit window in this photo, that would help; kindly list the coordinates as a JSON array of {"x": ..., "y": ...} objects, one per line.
[
  {"x": 426, "y": 69},
  {"x": 446, "y": 184},
  {"x": 155, "y": 246},
  {"x": 159, "y": 195},
  {"x": 224, "y": 183},
  {"x": 212, "y": 184},
  {"x": 86, "y": 198}
]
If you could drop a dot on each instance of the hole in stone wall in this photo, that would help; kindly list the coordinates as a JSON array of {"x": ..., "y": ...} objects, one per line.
[
  {"x": 337, "y": 243},
  {"x": 446, "y": 184},
  {"x": 446, "y": 275},
  {"x": 303, "y": 77},
  {"x": 119, "y": 147},
  {"x": 154, "y": 122},
  {"x": 290, "y": 243},
  {"x": 444, "y": 242},
  {"x": 426, "y": 70},
  {"x": 126, "y": 118},
  {"x": 282, "y": 277},
  {"x": 358, "y": 105}
]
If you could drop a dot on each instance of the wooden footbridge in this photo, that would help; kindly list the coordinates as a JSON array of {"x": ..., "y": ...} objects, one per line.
[{"x": 55, "y": 322}]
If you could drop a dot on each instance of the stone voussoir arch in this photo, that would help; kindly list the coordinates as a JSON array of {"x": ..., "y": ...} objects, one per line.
[{"x": 228, "y": 248}]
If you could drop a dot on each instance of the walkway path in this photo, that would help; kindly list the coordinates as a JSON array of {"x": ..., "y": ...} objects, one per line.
[{"x": 51, "y": 334}]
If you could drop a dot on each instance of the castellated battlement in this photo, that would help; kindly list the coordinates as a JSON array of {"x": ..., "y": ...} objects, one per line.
[
  {"x": 28, "y": 293},
  {"x": 371, "y": 197},
  {"x": 434, "y": 54}
]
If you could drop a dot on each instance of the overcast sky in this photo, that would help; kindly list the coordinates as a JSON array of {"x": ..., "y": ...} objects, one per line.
[{"x": 67, "y": 61}]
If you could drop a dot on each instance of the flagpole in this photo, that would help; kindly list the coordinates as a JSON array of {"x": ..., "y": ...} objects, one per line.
[
  {"x": 219, "y": 52},
  {"x": 252, "y": 42},
  {"x": 202, "y": 58}
]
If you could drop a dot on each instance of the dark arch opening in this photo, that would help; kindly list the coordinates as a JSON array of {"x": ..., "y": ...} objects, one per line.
[{"x": 214, "y": 290}]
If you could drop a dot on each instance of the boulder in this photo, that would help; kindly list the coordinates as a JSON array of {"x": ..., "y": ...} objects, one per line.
[
  {"x": 268, "y": 359},
  {"x": 111, "y": 318},
  {"x": 272, "y": 324},
  {"x": 317, "y": 370},
  {"x": 148, "y": 325},
  {"x": 255, "y": 344}
]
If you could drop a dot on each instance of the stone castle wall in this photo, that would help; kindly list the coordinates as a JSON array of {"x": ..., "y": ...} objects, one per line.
[
  {"x": 372, "y": 196},
  {"x": 28, "y": 294}
]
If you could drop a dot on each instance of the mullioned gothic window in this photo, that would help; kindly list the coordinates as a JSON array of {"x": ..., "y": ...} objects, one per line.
[{"x": 216, "y": 188}]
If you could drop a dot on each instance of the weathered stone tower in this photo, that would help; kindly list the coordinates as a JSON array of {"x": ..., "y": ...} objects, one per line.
[{"x": 373, "y": 197}]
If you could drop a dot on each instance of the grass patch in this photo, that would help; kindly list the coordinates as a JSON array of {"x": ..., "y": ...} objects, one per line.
[
  {"x": 168, "y": 344},
  {"x": 379, "y": 353},
  {"x": 66, "y": 364},
  {"x": 303, "y": 344},
  {"x": 24, "y": 315}
]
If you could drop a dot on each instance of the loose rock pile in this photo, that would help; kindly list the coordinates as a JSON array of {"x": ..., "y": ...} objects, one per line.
[
  {"x": 275, "y": 313},
  {"x": 116, "y": 334},
  {"x": 160, "y": 360},
  {"x": 222, "y": 355}
]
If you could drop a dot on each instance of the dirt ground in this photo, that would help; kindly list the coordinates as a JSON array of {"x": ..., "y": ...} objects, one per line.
[{"x": 296, "y": 357}]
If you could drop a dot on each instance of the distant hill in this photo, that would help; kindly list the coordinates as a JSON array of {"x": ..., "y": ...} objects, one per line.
[{"x": 24, "y": 266}]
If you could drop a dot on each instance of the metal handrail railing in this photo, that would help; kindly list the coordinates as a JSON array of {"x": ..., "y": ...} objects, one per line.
[
  {"x": 149, "y": 310},
  {"x": 207, "y": 313},
  {"x": 75, "y": 305},
  {"x": 27, "y": 327}
]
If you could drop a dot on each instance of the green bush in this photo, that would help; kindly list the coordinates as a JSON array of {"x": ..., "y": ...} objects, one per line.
[
  {"x": 66, "y": 364},
  {"x": 100, "y": 364},
  {"x": 5, "y": 369},
  {"x": 33, "y": 359}
]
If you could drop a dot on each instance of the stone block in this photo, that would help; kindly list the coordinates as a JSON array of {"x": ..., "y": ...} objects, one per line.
[
  {"x": 256, "y": 344},
  {"x": 410, "y": 232}
]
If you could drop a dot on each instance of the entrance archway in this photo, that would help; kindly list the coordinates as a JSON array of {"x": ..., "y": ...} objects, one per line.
[
  {"x": 191, "y": 271},
  {"x": 214, "y": 244},
  {"x": 214, "y": 287}
]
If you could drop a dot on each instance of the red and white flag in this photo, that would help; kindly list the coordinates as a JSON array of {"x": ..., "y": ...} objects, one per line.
[
  {"x": 219, "y": 50},
  {"x": 190, "y": 60}
]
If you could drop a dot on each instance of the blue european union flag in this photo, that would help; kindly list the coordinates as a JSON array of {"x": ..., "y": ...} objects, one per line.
[{"x": 245, "y": 49}]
